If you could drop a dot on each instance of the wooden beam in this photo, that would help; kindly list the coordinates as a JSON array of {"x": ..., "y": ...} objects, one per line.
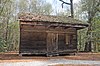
[
  {"x": 55, "y": 25},
  {"x": 47, "y": 31}
]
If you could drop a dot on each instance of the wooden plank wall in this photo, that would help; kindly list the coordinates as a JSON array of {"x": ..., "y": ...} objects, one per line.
[
  {"x": 37, "y": 38},
  {"x": 32, "y": 41},
  {"x": 61, "y": 42},
  {"x": 67, "y": 41},
  {"x": 52, "y": 42}
]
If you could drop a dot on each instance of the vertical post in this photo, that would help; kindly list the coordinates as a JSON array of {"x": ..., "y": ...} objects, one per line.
[
  {"x": 77, "y": 40},
  {"x": 20, "y": 39},
  {"x": 77, "y": 50},
  {"x": 57, "y": 52},
  {"x": 72, "y": 12}
]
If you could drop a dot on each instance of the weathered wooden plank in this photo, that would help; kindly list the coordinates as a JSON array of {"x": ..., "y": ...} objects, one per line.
[
  {"x": 37, "y": 36},
  {"x": 34, "y": 47},
  {"x": 34, "y": 43},
  {"x": 47, "y": 31},
  {"x": 33, "y": 51},
  {"x": 39, "y": 28},
  {"x": 52, "y": 42},
  {"x": 53, "y": 24}
]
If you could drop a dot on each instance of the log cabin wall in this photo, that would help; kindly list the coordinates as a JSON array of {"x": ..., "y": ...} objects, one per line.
[
  {"x": 32, "y": 41},
  {"x": 48, "y": 34},
  {"x": 41, "y": 38},
  {"x": 68, "y": 40}
]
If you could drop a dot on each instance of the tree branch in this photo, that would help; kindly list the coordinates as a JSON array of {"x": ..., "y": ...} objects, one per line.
[
  {"x": 98, "y": 6},
  {"x": 64, "y": 2}
]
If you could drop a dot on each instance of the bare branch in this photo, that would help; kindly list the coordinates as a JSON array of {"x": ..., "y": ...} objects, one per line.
[
  {"x": 64, "y": 2},
  {"x": 71, "y": 6},
  {"x": 62, "y": 5}
]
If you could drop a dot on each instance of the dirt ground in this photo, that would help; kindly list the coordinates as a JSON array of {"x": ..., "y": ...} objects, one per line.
[{"x": 14, "y": 57}]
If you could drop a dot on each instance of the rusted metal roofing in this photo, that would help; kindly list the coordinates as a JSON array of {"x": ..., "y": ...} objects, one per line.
[{"x": 49, "y": 18}]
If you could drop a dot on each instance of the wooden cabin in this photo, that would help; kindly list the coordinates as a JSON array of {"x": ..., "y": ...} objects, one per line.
[{"x": 47, "y": 34}]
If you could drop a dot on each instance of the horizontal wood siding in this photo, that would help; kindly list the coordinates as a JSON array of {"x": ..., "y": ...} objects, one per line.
[
  {"x": 39, "y": 28},
  {"x": 42, "y": 38},
  {"x": 33, "y": 41}
]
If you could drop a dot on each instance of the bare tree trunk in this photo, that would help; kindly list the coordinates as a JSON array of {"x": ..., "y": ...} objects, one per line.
[
  {"x": 6, "y": 33},
  {"x": 89, "y": 44}
]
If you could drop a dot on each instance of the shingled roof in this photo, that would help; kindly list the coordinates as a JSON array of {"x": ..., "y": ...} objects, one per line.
[{"x": 49, "y": 18}]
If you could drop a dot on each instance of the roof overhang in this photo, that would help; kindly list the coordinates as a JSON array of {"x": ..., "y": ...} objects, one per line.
[{"x": 54, "y": 21}]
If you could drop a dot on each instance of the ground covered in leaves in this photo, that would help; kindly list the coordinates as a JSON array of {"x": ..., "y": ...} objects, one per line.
[{"x": 13, "y": 57}]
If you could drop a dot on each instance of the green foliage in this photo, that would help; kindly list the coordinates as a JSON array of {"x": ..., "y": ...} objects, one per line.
[
  {"x": 96, "y": 33},
  {"x": 82, "y": 38},
  {"x": 88, "y": 10},
  {"x": 2, "y": 45},
  {"x": 13, "y": 36},
  {"x": 91, "y": 12},
  {"x": 12, "y": 42},
  {"x": 90, "y": 5}
]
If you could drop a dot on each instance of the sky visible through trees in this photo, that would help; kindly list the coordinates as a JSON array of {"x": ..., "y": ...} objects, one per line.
[{"x": 56, "y": 5}]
